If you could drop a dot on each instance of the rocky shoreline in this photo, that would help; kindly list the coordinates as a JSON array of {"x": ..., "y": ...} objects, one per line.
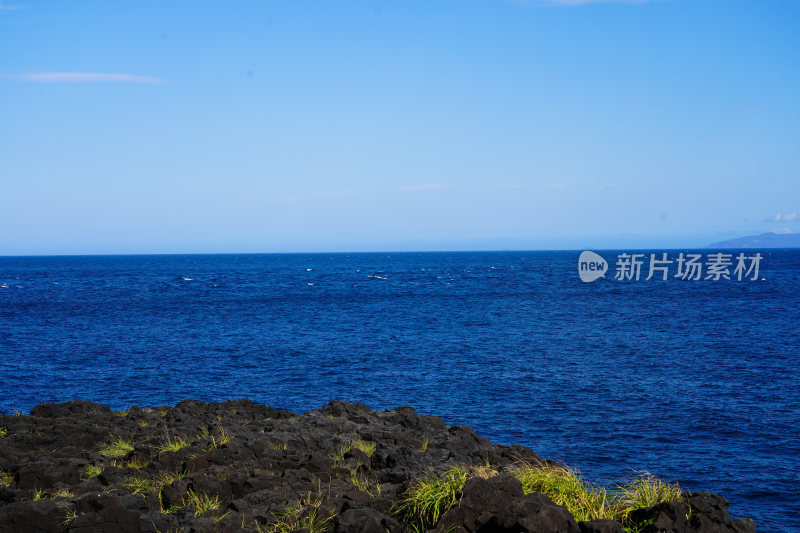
[{"x": 240, "y": 466}]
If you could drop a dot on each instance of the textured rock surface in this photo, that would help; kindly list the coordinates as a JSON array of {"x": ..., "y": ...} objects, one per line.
[{"x": 341, "y": 468}]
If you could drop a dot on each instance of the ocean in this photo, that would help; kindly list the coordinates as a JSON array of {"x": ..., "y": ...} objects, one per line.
[{"x": 692, "y": 380}]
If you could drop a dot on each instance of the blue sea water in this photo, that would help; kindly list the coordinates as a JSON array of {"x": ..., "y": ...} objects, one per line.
[{"x": 695, "y": 381}]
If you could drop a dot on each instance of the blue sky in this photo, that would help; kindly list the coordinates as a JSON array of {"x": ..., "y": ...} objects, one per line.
[{"x": 254, "y": 126}]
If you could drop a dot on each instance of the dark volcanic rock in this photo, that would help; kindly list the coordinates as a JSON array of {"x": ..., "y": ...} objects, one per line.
[
  {"x": 498, "y": 504},
  {"x": 700, "y": 511},
  {"x": 601, "y": 526},
  {"x": 241, "y": 466}
]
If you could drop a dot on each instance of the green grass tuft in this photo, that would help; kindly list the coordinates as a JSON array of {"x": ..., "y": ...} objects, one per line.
[
  {"x": 338, "y": 457},
  {"x": 566, "y": 487},
  {"x": 647, "y": 490},
  {"x": 69, "y": 515},
  {"x": 201, "y": 503},
  {"x": 118, "y": 447},
  {"x": 303, "y": 515},
  {"x": 172, "y": 444},
  {"x": 364, "y": 484},
  {"x": 136, "y": 463},
  {"x": 138, "y": 484},
  {"x": 429, "y": 498},
  {"x": 586, "y": 501},
  {"x": 62, "y": 493},
  {"x": 91, "y": 471},
  {"x": 6, "y": 479},
  {"x": 366, "y": 446},
  {"x": 224, "y": 438}
]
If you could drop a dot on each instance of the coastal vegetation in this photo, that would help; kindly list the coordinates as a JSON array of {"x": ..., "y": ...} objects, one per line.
[
  {"x": 431, "y": 496},
  {"x": 197, "y": 466}
]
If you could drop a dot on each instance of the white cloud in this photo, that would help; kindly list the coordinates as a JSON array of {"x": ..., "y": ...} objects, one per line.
[
  {"x": 788, "y": 217},
  {"x": 5, "y": 7},
  {"x": 83, "y": 77}
]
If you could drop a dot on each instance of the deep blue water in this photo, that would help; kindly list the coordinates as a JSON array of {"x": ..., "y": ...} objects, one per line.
[{"x": 695, "y": 381}]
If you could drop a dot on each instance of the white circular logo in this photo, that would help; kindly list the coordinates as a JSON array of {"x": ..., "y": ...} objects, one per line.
[{"x": 591, "y": 266}]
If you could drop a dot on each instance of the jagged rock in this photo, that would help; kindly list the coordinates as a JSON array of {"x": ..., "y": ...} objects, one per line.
[
  {"x": 600, "y": 526},
  {"x": 699, "y": 511},
  {"x": 498, "y": 504},
  {"x": 45, "y": 516},
  {"x": 234, "y": 465},
  {"x": 365, "y": 520}
]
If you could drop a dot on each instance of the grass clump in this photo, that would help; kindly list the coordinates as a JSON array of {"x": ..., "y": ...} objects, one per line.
[
  {"x": 483, "y": 471},
  {"x": 224, "y": 438},
  {"x": 41, "y": 494},
  {"x": 429, "y": 498},
  {"x": 69, "y": 515},
  {"x": 136, "y": 462},
  {"x": 586, "y": 501},
  {"x": 117, "y": 447},
  {"x": 61, "y": 493},
  {"x": 566, "y": 487},
  {"x": 138, "y": 485},
  {"x": 364, "y": 484},
  {"x": 172, "y": 444},
  {"x": 3, "y": 432},
  {"x": 201, "y": 503},
  {"x": 338, "y": 457},
  {"x": 91, "y": 471},
  {"x": 6, "y": 479},
  {"x": 366, "y": 446},
  {"x": 647, "y": 490},
  {"x": 303, "y": 515}
]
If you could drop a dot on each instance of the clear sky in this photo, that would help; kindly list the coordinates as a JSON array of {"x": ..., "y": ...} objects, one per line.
[{"x": 256, "y": 126}]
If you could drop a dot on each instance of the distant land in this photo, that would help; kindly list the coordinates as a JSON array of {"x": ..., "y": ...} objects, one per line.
[{"x": 765, "y": 240}]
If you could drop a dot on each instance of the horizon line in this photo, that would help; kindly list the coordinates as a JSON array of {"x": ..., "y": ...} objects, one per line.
[{"x": 373, "y": 252}]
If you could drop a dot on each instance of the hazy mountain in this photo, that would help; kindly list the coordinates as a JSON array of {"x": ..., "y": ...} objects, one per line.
[{"x": 765, "y": 240}]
